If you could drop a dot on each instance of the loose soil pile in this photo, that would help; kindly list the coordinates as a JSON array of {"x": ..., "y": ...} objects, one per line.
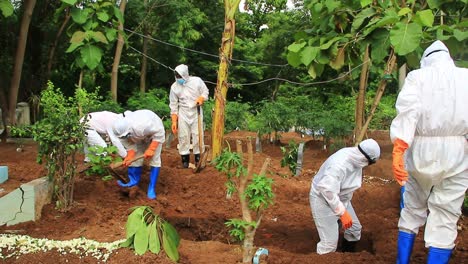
[{"x": 196, "y": 205}]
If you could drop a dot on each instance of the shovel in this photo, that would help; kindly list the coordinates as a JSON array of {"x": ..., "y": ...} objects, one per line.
[
  {"x": 116, "y": 165},
  {"x": 203, "y": 155}
]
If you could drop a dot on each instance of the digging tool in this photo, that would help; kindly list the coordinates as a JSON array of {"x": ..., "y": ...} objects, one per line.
[
  {"x": 120, "y": 163},
  {"x": 203, "y": 150}
]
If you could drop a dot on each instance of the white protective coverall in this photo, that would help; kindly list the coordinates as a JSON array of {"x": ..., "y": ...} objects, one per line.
[
  {"x": 142, "y": 127},
  {"x": 433, "y": 120},
  {"x": 331, "y": 192},
  {"x": 182, "y": 102},
  {"x": 98, "y": 126}
]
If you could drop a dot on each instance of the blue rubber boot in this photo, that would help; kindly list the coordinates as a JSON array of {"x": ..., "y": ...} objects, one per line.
[
  {"x": 154, "y": 173},
  {"x": 438, "y": 255},
  {"x": 405, "y": 247},
  {"x": 402, "y": 201},
  {"x": 134, "y": 175}
]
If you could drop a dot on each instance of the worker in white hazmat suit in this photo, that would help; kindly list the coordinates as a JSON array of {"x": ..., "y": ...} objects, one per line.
[
  {"x": 141, "y": 132},
  {"x": 187, "y": 92},
  {"x": 428, "y": 134},
  {"x": 331, "y": 192},
  {"x": 98, "y": 126}
]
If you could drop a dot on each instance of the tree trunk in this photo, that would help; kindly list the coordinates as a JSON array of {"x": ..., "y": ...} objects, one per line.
[
  {"x": 144, "y": 62},
  {"x": 361, "y": 98},
  {"x": 54, "y": 46},
  {"x": 118, "y": 53},
  {"x": 19, "y": 58},
  {"x": 380, "y": 90},
  {"x": 225, "y": 54},
  {"x": 401, "y": 76}
]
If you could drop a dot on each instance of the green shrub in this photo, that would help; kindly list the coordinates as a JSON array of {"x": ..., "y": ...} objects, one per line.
[{"x": 290, "y": 156}]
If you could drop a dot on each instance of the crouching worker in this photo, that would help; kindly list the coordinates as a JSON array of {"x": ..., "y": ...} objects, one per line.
[
  {"x": 331, "y": 192},
  {"x": 141, "y": 132}
]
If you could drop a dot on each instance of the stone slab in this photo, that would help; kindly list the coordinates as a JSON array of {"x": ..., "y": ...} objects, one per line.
[
  {"x": 3, "y": 174},
  {"x": 25, "y": 203}
]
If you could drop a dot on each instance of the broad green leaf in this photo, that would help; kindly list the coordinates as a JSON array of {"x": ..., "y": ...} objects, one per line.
[
  {"x": 103, "y": 16},
  {"x": 390, "y": 17},
  {"x": 78, "y": 37},
  {"x": 460, "y": 35},
  {"x": 6, "y": 7},
  {"x": 327, "y": 44},
  {"x": 338, "y": 62},
  {"x": 365, "y": 14},
  {"x": 405, "y": 37},
  {"x": 70, "y": 2},
  {"x": 170, "y": 246},
  {"x": 141, "y": 238},
  {"x": 294, "y": 59},
  {"x": 296, "y": 47},
  {"x": 118, "y": 15},
  {"x": 128, "y": 242},
  {"x": 73, "y": 46},
  {"x": 154, "y": 243},
  {"x": 308, "y": 54},
  {"x": 111, "y": 34},
  {"x": 426, "y": 17},
  {"x": 434, "y": 4},
  {"x": 172, "y": 232},
  {"x": 99, "y": 37},
  {"x": 91, "y": 56},
  {"x": 311, "y": 71},
  {"x": 365, "y": 3},
  {"x": 133, "y": 221},
  {"x": 404, "y": 11},
  {"x": 79, "y": 15},
  {"x": 322, "y": 58},
  {"x": 412, "y": 59},
  {"x": 332, "y": 5},
  {"x": 380, "y": 45},
  {"x": 319, "y": 69}
]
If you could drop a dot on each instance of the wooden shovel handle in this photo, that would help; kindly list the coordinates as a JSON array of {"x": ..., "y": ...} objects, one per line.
[{"x": 119, "y": 164}]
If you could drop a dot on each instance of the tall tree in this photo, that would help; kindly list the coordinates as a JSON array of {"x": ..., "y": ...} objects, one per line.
[
  {"x": 225, "y": 55},
  {"x": 118, "y": 53},
  {"x": 19, "y": 58}
]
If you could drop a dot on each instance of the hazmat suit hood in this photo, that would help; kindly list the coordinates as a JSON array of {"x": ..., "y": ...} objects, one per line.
[
  {"x": 182, "y": 70},
  {"x": 436, "y": 53},
  {"x": 121, "y": 127},
  {"x": 370, "y": 148}
]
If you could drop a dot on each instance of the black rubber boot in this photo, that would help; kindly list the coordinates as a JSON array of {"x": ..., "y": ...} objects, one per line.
[
  {"x": 185, "y": 160},
  {"x": 348, "y": 246},
  {"x": 197, "y": 159}
]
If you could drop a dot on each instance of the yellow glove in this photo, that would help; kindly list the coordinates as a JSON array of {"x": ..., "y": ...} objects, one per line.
[
  {"x": 174, "y": 123},
  {"x": 151, "y": 149},
  {"x": 129, "y": 158},
  {"x": 200, "y": 100},
  {"x": 398, "y": 166}
]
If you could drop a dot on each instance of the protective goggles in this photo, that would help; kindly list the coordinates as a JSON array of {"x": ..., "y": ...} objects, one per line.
[
  {"x": 125, "y": 136},
  {"x": 369, "y": 159}
]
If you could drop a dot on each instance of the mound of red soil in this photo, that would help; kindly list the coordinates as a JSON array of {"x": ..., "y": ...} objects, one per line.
[{"x": 197, "y": 206}]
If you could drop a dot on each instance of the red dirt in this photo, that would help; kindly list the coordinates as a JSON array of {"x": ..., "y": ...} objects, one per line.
[{"x": 196, "y": 205}]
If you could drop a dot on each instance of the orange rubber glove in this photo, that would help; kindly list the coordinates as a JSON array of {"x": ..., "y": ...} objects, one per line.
[
  {"x": 200, "y": 100},
  {"x": 398, "y": 166},
  {"x": 129, "y": 158},
  {"x": 151, "y": 149},
  {"x": 174, "y": 123},
  {"x": 346, "y": 220}
]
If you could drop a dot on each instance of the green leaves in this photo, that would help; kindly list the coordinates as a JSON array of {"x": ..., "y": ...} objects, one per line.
[
  {"x": 405, "y": 37},
  {"x": 425, "y": 18},
  {"x": 91, "y": 56},
  {"x": 290, "y": 156},
  {"x": 259, "y": 192},
  {"x": 146, "y": 231},
  {"x": 308, "y": 54},
  {"x": 79, "y": 15},
  {"x": 6, "y": 7}
]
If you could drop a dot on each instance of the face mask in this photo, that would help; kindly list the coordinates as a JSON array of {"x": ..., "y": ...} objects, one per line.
[{"x": 180, "y": 81}]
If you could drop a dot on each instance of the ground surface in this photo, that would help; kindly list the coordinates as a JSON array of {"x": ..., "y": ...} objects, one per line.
[{"x": 196, "y": 204}]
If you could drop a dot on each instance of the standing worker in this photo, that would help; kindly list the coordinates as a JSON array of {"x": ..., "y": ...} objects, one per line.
[
  {"x": 141, "y": 132},
  {"x": 98, "y": 126},
  {"x": 187, "y": 92},
  {"x": 331, "y": 192},
  {"x": 429, "y": 144}
]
